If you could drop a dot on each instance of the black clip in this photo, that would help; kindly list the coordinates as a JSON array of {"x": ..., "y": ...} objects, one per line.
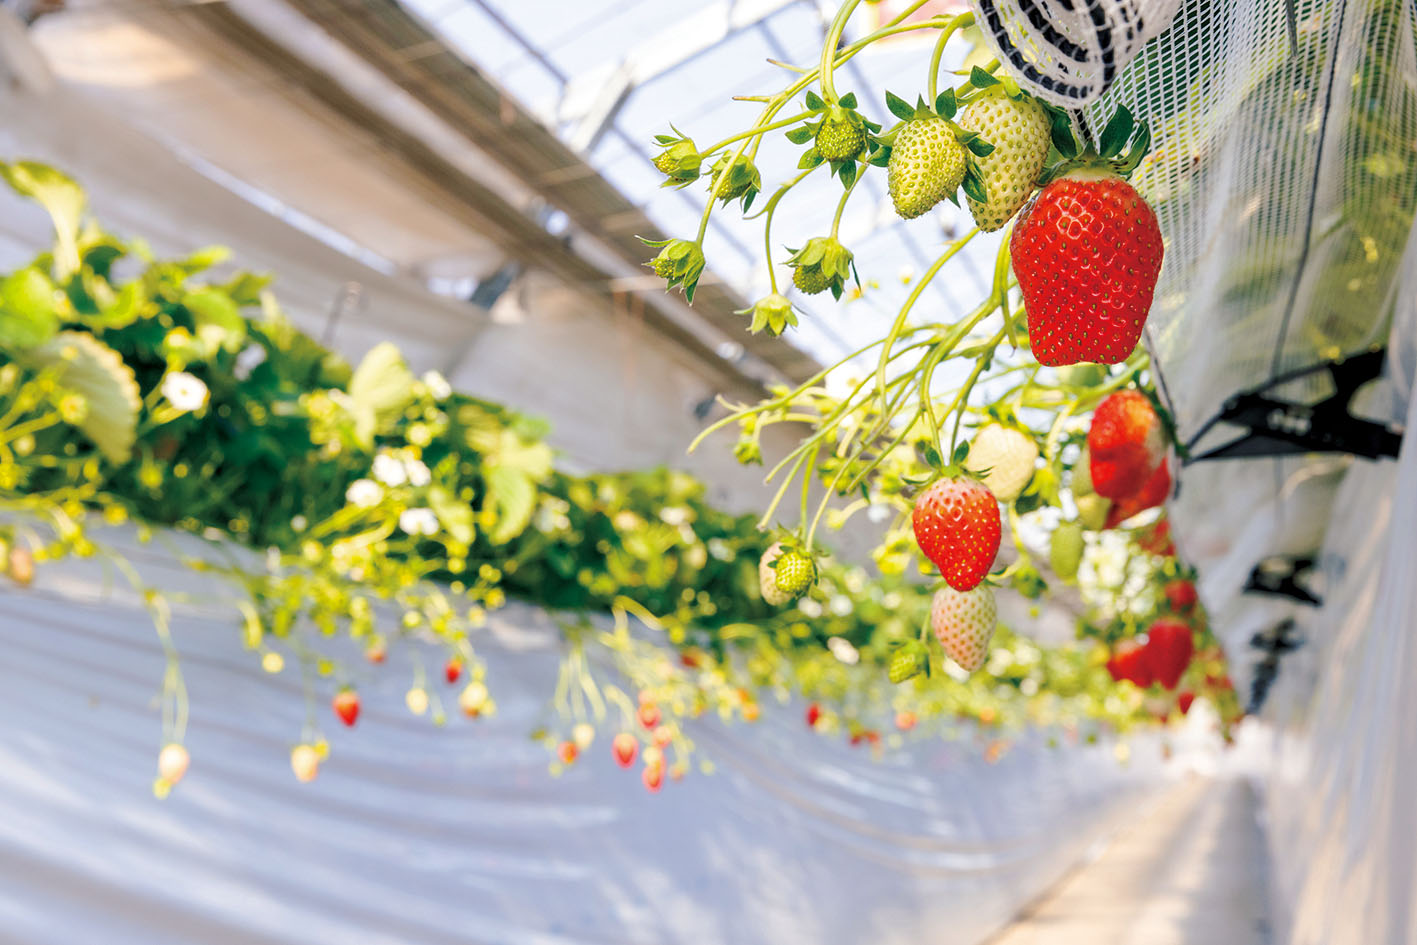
[
  {"x": 1279, "y": 639},
  {"x": 1279, "y": 576},
  {"x": 1282, "y": 428},
  {"x": 1275, "y": 642}
]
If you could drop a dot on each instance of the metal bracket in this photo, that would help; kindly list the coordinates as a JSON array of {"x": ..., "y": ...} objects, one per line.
[
  {"x": 1279, "y": 576},
  {"x": 1277, "y": 427}
]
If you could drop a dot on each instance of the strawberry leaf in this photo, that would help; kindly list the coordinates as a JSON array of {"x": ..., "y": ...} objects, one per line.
[
  {"x": 899, "y": 107},
  {"x": 665, "y": 139},
  {"x": 1115, "y": 135},
  {"x": 870, "y": 126},
  {"x": 979, "y": 147},
  {"x": 847, "y": 173},
  {"x": 930, "y": 454},
  {"x": 1027, "y": 503},
  {"x": 981, "y": 79},
  {"x": 881, "y": 158},
  {"x": 1062, "y": 134},
  {"x": 945, "y": 105},
  {"x": 974, "y": 185},
  {"x": 848, "y": 100},
  {"x": 810, "y": 158},
  {"x": 961, "y": 454},
  {"x": 814, "y": 102},
  {"x": 801, "y": 134}
]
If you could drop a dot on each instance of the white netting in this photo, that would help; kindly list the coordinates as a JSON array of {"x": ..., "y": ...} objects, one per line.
[{"x": 1070, "y": 51}]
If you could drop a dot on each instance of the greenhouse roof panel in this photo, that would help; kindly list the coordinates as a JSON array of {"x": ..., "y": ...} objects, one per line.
[{"x": 608, "y": 77}]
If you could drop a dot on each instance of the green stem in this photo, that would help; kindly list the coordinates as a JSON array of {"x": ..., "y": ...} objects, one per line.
[
  {"x": 758, "y": 131},
  {"x": 841, "y": 204},
  {"x": 828, "y": 63},
  {"x": 962, "y": 20},
  {"x": 899, "y": 325}
]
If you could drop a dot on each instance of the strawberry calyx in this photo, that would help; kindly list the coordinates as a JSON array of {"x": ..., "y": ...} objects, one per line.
[{"x": 1107, "y": 158}]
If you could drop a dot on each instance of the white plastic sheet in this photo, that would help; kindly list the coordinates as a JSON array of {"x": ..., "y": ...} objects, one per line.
[
  {"x": 416, "y": 834},
  {"x": 1344, "y": 775}
]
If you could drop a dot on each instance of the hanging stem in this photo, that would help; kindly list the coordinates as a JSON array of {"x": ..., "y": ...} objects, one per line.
[
  {"x": 962, "y": 20},
  {"x": 828, "y": 63}
]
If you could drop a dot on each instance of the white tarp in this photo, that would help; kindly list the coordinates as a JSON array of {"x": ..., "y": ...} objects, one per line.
[{"x": 418, "y": 834}]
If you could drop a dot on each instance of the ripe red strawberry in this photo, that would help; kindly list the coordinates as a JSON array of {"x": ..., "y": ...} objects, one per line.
[
  {"x": 649, "y": 715},
  {"x": 346, "y": 705},
  {"x": 1181, "y": 595},
  {"x": 378, "y": 652},
  {"x": 1152, "y": 494},
  {"x": 1125, "y": 444},
  {"x": 1087, "y": 253},
  {"x": 452, "y": 671},
  {"x": 567, "y": 752},
  {"x": 1169, "y": 647},
  {"x": 1184, "y": 701},
  {"x": 964, "y": 622},
  {"x": 814, "y": 712},
  {"x": 625, "y": 747},
  {"x": 957, "y": 527},
  {"x": 1156, "y": 539},
  {"x": 653, "y": 777},
  {"x": 1129, "y": 662}
]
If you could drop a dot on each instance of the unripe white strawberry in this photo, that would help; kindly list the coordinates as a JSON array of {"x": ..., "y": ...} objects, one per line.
[
  {"x": 1019, "y": 130},
  {"x": 964, "y": 622},
  {"x": 927, "y": 164},
  {"x": 1005, "y": 457}
]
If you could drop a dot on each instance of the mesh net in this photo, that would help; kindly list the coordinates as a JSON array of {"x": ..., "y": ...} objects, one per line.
[
  {"x": 1285, "y": 179},
  {"x": 1070, "y": 52}
]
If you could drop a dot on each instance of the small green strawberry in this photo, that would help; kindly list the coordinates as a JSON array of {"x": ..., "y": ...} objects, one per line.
[
  {"x": 1004, "y": 457},
  {"x": 908, "y": 660},
  {"x": 820, "y": 265},
  {"x": 841, "y": 134},
  {"x": 680, "y": 160},
  {"x": 796, "y": 571},
  {"x": 785, "y": 572},
  {"x": 1020, "y": 131},
  {"x": 926, "y": 165},
  {"x": 1065, "y": 550},
  {"x": 680, "y": 262},
  {"x": 1092, "y": 511},
  {"x": 733, "y": 177},
  {"x": 964, "y": 622},
  {"x": 771, "y": 313}
]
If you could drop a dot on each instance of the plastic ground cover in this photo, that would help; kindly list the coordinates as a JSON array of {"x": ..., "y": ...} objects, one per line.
[{"x": 417, "y": 834}]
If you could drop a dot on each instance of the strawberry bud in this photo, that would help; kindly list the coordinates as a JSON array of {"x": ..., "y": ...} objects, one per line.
[
  {"x": 734, "y": 177},
  {"x": 679, "y": 161},
  {"x": 821, "y": 265},
  {"x": 680, "y": 262},
  {"x": 771, "y": 313}
]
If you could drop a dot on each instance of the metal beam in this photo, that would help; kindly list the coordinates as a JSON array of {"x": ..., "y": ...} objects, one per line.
[{"x": 665, "y": 51}]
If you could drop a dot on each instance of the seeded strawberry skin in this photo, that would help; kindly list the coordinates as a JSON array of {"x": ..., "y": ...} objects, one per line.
[
  {"x": 957, "y": 526},
  {"x": 1087, "y": 253},
  {"x": 1125, "y": 444},
  {"x": 964, "y": 622}
]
